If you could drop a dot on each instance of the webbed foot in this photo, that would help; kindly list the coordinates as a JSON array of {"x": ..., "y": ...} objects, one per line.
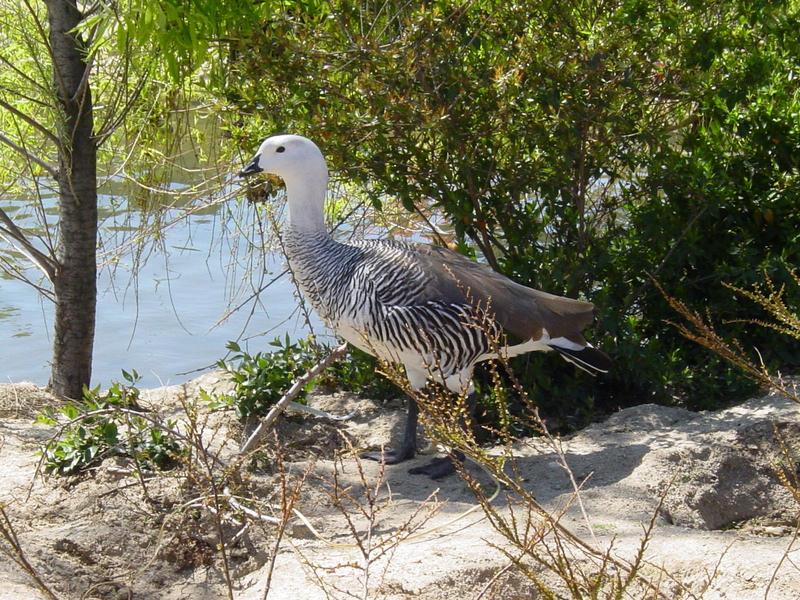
[
  {"x": 389, "y": 456},
  {"x": 438, "y": 467}
]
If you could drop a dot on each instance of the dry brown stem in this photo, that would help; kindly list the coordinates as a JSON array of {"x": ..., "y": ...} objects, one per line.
[
  {"x": 541, "y": 544},
  {"x": 12, "y": 548},
  {"x": 701, "y": 330},
  {"x": 291, "y": 394},
  {"x": 362, "y": 506}
]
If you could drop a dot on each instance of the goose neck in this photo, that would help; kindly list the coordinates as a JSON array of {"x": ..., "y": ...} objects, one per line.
[{"x": 306, "y": 199}]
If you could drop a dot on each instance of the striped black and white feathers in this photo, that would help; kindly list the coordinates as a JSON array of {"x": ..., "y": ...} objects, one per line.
[{"x": 430, "y": 309}]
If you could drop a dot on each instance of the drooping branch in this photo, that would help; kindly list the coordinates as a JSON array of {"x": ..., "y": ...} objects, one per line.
[
  {"x": 80, "y": 93},
  {"x": 51, "y": 170},
  {"x": 114, "y": 121},
  {"x": 45, "y": 38},
  {"x": 30, "y": 121},
  {"x": 12, "y": 271},
  {"x": 17, "y": 239},
  {"x": 22, "y": 74},
  {"x": 23, "y": 96}
]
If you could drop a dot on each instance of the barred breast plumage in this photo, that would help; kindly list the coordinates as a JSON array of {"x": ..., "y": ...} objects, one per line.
[{"x": 375, "y": 294}]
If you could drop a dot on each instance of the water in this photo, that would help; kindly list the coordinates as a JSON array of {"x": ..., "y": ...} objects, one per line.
[{"x": 165, "y": 323}]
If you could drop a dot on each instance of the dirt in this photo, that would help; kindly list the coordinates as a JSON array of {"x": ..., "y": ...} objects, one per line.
[{"x": 725, "y": 528}]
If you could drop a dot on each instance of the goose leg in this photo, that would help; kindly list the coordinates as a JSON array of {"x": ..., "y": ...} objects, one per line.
[
  {"x": 444, "y": 466},
  {"x": 408, "y": 447}
]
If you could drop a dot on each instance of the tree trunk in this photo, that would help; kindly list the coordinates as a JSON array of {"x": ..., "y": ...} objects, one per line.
[{"x": 76, "y": 275}]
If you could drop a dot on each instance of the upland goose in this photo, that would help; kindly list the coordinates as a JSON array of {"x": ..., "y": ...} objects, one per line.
[{"x": 424, "y": 307}]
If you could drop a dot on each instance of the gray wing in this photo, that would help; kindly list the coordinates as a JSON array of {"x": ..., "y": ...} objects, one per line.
[{"x": 522, "y": 311}]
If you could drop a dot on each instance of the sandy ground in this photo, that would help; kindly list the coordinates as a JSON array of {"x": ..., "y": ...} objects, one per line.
[{"x": 725, "y": 529}]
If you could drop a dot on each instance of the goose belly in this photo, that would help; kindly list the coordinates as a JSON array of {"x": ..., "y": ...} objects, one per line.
[
  {"x": 450, "y": 366},
  {"x": 433, "y": 337},
  {"x": 358, "y": 333}
]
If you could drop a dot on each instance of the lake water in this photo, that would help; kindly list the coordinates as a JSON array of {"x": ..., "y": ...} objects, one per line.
[{"x": 171, "y": 320}]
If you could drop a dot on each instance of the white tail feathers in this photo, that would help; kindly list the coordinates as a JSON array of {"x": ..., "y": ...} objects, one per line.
[{"x": 588, "y": 358}]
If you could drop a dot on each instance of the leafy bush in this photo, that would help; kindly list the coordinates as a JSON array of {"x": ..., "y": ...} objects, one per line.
[
  {"x": 261, "y": 379},
  {"x": 102, "y": 425}
]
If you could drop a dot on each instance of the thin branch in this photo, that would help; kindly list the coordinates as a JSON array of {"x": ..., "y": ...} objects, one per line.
[
  {"x": 11, "y": 233},
  {"x": 84, "y": 82},
  {"x": 113, "y": 122},
  {"x": 31, "y": 121},
  {"x": 298, "y": 385},
  {"x": 116, "y": 116},
  {"x": 46, "y": 41},
  {"x": 94, "y": 8},
  {"x": 22, "y": 74},
  {"x": 83, "y": 85},
  {"x": 52, "y": 171},
  {"x": 13, "y": 271},
  {"x": 47, "y": 240},
  {"x": 494, "y": 579},
  {"x": 15, "y": 553},
  {"x": 19, "y": 94}
]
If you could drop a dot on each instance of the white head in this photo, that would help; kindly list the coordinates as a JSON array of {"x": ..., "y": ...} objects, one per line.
[{"x": 299, "y": 162}]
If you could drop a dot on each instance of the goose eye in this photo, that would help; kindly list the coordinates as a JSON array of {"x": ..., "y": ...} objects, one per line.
[{"x": 280, "y": 149}]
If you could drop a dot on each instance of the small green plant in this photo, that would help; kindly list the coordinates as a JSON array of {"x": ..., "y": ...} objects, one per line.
[
  {"x": 108, "y": 424},
  {"x": 261, "y": 379},
  {"x": 359, "y": 372}
]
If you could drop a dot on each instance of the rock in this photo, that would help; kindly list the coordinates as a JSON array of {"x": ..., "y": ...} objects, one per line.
[{"x": 720, "y": 485}]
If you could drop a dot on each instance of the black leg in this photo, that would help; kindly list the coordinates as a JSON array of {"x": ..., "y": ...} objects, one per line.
[
  {"x": 442, "y": 467},
  {"x": 410, "y": 431},
  {"x": 408, "y": 447}
]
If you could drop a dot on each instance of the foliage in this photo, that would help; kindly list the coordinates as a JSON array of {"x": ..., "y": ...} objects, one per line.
[
  {"x": 361, "y": 373},
  {"x": 130, "y": 106},
  {"x": 108, "y": 424},
  {"x": 80, "y": 94},
  {"x": 261, "y": 379},
  {"x": 577, "y": 146},
  {"x": 185, "y": 33},
  {"x": 720, "y": 201}
]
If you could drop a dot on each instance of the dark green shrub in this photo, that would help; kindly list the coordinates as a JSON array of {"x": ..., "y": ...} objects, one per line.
[{"x": 359, "y": 372}]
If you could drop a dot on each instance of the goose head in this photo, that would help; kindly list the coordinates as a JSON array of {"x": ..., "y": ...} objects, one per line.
[{"x": 300, "y": 164}]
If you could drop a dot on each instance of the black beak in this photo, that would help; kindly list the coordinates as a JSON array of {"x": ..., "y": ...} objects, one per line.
[{"x": 252, "y": 167}]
